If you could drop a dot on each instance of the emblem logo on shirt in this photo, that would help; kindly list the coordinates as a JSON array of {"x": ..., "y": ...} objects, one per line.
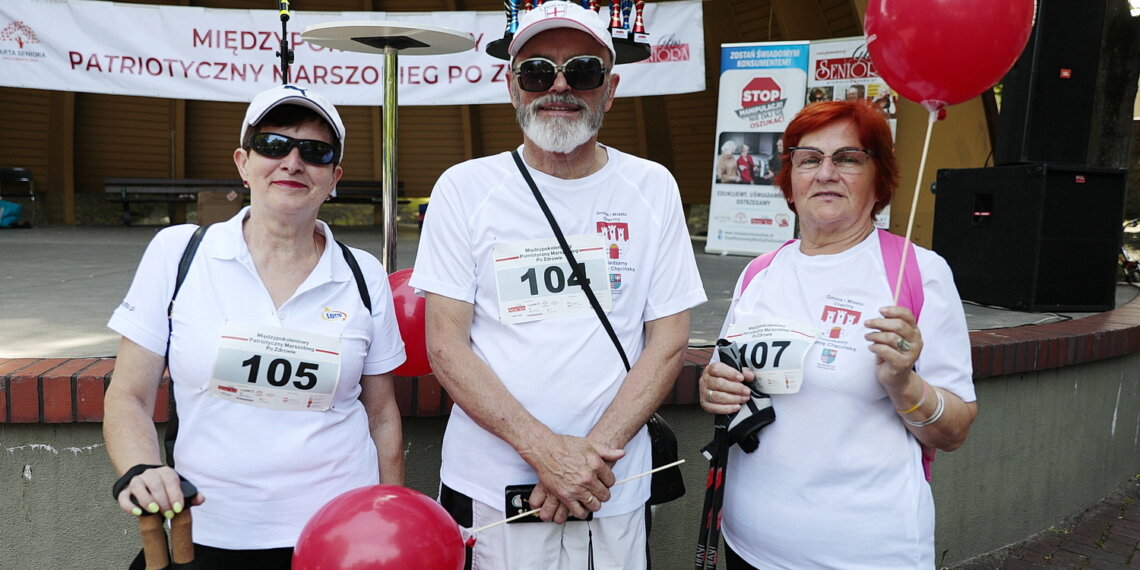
[
  {"x": 615, "y": 280},
  {"x": 838, "y": 318},
  {"x": 616, "y": 236},
  {"x": 331, "y": 315},
  {"x": 828, "y": 355}
]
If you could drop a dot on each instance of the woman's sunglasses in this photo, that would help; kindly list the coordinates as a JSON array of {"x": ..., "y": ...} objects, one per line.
[
  {"x": 274, "y": 145},
  {"x": 582, "y": 72}
]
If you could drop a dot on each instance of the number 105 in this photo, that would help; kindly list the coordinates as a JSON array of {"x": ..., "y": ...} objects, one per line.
[{"x": 280, "y": 370}]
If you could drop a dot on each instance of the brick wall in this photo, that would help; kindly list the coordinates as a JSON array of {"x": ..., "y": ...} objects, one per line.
[{"x": 64, "y": 390}]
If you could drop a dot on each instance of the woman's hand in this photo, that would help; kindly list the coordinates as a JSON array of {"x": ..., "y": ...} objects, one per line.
[
  {"x": 722, "y": 388},
  {"x": 156, "y": 490},
  {"x": 897, "y": 343}
]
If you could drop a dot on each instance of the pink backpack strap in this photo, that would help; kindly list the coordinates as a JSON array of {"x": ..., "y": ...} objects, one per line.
[
  {"x": 760, "y": 264},
  {"x": 910, "y": 296}
]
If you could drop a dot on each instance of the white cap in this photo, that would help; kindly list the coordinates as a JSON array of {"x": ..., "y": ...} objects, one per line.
[
  {"x": 293, "y": 95},
  {"x": 559, "y": 14}
]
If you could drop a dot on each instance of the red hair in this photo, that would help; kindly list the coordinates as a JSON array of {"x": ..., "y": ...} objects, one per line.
[{"x": 874, "y": 134}]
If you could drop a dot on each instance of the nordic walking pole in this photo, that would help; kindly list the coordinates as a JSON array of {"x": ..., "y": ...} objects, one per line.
[
  {"x": 154, "y": 541},
  {"x": 717, "y": 453},
  {"x": 151, "y": 529}
]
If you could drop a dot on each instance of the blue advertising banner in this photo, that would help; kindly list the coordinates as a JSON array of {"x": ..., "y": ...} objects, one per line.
[{"x": 762, "y": 87}]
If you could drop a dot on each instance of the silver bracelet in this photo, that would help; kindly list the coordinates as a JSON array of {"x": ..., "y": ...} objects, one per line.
[{"x": 937, "y": 412}]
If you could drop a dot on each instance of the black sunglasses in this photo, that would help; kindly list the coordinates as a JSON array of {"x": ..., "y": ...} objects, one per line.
[
  {"x": 582, "y": 72},
  {"x": 274, "y": 145}
]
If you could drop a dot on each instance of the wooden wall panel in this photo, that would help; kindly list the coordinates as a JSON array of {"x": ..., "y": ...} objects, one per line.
[
  {"x": 500, "y": 131},
  {"x": 213, "y": 127},
  {"x": 841, "y": 21},
  {"x": 692, "y": 124},
  {"x": 756, "y": 21},
  {"x": 121, "y": 136},
  {"x": 24, "y": 143},
  {"x": 430, "y": 141},
  {"x": 212, "y": 132},
  {"x": 621, "y": 128},
  {"x": 362, "y": 137}
]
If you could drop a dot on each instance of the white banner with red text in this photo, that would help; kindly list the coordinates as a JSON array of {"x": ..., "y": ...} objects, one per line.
[{"x": 213, "y": 54}]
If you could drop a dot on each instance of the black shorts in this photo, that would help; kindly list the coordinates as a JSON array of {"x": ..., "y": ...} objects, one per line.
[{"x": 210, "y": 558}]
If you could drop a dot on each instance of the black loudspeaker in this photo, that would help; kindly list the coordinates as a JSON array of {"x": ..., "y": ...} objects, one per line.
[
  {"x": 1033, "y": 237},
  {"x": 1047, "y": 97}
]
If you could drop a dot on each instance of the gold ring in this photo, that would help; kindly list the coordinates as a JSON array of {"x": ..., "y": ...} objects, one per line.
[
  {"x": 710, "y": 396},
  {"x": 591, "y": 499}
]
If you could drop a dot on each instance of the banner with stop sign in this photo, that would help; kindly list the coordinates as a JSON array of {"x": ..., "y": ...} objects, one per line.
[{"x": 762, "y": 87}]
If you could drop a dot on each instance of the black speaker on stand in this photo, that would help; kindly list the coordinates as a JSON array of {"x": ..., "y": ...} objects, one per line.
[
  {"x": 1047, "y": 96},
  {"x": 1036, "y": 237}
]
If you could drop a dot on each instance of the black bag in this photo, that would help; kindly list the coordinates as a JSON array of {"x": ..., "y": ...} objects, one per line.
[{"x": 668, "y": 484}]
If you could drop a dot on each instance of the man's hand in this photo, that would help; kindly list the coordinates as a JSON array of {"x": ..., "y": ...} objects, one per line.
[{"x": 574, "y": 476}]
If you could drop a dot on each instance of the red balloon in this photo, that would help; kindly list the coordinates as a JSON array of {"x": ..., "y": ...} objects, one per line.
[
  {"x": 381, "y": 527},
  {"x": 944, "y": 52},
  {"x": 410, "y": 316}
]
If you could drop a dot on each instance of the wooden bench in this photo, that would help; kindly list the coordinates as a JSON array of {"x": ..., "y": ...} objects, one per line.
[
  {"x": 180, "y": 191},
  {"x": 361, "y": 192},
  {"x": 174, "y": 191}
]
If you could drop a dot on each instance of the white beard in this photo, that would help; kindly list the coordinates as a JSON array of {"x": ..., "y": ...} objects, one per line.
[{"x": 559, "y": 134}]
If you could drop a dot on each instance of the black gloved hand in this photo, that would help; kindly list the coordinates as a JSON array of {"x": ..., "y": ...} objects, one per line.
[{"x": 744, "y": 426}]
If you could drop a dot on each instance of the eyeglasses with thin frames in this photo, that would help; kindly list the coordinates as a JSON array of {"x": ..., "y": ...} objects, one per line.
[
  {"x": 274, "y": 145},
  {"x": 582, "y": 72},
  {"x": 847, "y": 160}
]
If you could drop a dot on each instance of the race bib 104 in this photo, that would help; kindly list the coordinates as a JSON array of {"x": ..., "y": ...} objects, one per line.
[{"x": 535, "y": 282}]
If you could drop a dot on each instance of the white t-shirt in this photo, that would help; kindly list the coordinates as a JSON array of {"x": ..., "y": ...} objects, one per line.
[
  {"x": 565, "y": 371},
  {"x": 264, "y": 472},
  {"x": 837, "y": 480}
]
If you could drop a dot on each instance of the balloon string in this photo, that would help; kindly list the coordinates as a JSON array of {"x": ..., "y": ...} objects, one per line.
[
  {"x": 914, "y": 203},
  {"x": 533, "y": 511}
]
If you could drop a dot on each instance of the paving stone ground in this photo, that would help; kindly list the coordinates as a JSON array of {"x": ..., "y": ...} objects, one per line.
[{"x": 1104, "y": 537}]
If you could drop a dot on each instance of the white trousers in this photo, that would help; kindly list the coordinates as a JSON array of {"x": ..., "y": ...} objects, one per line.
[{"x": 617, "y": 542}]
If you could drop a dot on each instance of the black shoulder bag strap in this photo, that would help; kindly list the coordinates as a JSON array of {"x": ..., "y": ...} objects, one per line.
[
  {"x": 666, "y": 485},
  {"x": 358, "y": 275},
  {"x": 578, "y": 270},
  {"x": 183, "y": 269}
]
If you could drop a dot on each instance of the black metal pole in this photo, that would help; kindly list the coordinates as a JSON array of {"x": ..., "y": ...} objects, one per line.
[{"x": 285, "y": 54}]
